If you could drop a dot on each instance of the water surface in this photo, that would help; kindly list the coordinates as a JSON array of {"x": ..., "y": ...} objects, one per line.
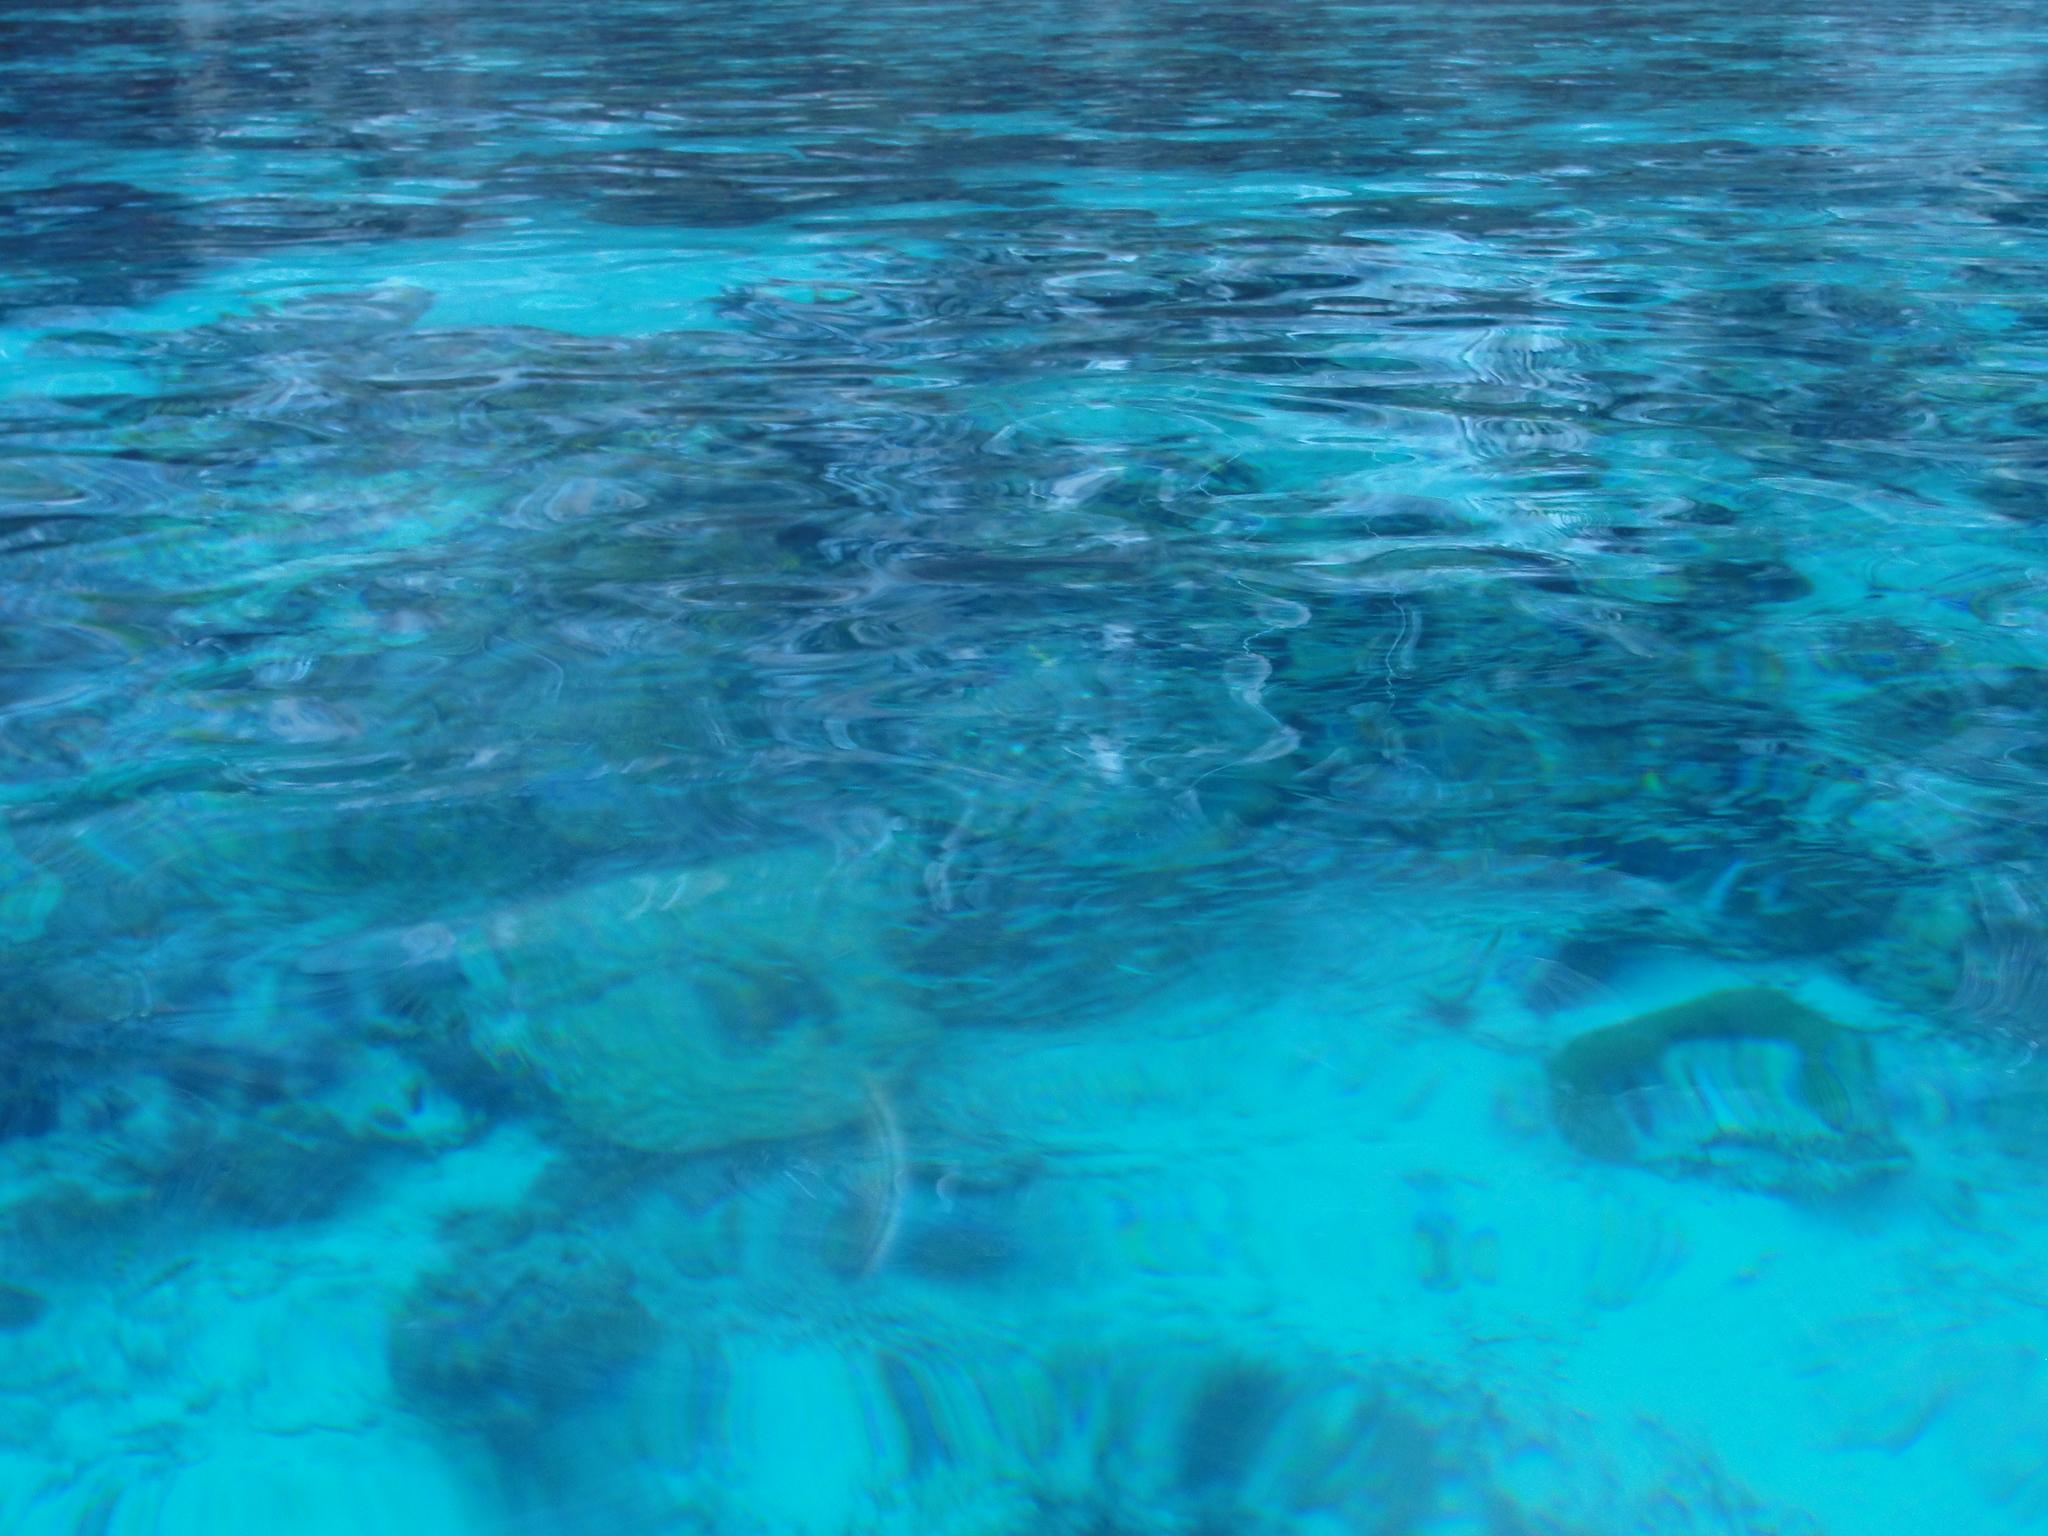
[{"x": 1151, "y": 767}]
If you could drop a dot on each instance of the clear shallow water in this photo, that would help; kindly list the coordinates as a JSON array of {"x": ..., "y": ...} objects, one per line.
[{"x": 1143, "y": 768}]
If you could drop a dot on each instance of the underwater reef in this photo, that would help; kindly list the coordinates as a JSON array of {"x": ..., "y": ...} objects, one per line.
[
  {"x": 507, "y": 1340},
  {"x": 1747, "y": 1085}
]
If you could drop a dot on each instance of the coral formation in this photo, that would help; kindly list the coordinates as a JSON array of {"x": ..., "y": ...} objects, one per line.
[
  {"x": 1747, "y": 1084},
  {"x": 507, "y": 1340}
]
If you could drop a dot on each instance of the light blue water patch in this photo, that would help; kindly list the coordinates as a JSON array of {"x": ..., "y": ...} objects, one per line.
[
  {"x": 539, "y": 280},
  {"x": 27, "y": 374},
  {"x": 637, "y": 288}
]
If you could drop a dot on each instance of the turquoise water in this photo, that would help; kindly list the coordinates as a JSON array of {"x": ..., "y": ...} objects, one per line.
[{"x": 1162, "y": 766}]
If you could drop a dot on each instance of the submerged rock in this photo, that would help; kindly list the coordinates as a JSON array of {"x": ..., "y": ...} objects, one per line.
[
  {"x": 1191, "y": 1438},
  {"x": 289, "y": 1163},
  {"x": 20, "y": 1308},
  {"x": 728, "y": 1003},
  {"x": 511, "y": 1339},
  {"x": 1748, "y": 1085}
]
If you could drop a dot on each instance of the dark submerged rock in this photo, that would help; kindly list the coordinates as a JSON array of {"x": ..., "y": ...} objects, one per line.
[
  {"x": 295, "y": 1162},
  {"x": 1204, "y": 1440},
  {"x": 509, "y": 1341},
  {"x": 1748, "y": 1085},
  {"x": 20, "y": 1308}
]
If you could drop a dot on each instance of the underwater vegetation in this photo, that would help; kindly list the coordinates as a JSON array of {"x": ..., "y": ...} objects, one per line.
[{"x": 20, "y": 1308}]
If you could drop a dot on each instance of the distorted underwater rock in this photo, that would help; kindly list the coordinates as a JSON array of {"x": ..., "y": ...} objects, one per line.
[
  {"x": 20, "y": 1308},
  {"x": 1920, "y": 959},
  {"x": 1748, "y": 1086},
  {"x": 510, "y": 1338},
  {"x": 1793, "y": 899},
  {"x": 1196, "y": 1439},
  {"x": 746, "y": 1000},
  {"x": 291, "y": 1162}
]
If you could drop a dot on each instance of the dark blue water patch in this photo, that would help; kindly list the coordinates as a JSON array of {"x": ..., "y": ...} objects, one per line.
[
  {"x": 59, "y": 239},
  {"x": 100, "y": 245}
]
